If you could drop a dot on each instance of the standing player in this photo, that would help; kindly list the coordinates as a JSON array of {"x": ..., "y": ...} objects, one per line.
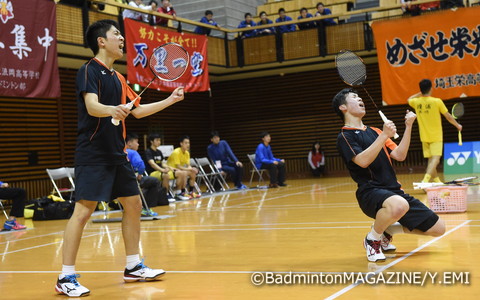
[
  {"x": 429, "y": 111},
  {"x": 102, "y": 170},
  {"x": 367, "y": 152}
]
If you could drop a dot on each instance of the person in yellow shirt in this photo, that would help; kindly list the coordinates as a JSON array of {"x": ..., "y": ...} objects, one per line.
[
  {"x": 429, "y": 110},
  {"x": 180, "y": 160}
]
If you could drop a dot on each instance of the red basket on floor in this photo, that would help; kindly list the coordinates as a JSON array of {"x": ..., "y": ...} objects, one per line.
[{"x": 447, "y": 198}]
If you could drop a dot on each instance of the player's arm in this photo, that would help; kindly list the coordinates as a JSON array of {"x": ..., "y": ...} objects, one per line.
[
  {"x": 154, "y": 166},
  {"x": 99, "y": 110},
  {"x": 367, "y": 156},
  {"x": 452, "y": 121},
  {"x": 400, "y": 152},
  {"x": 144, "y": 110}
]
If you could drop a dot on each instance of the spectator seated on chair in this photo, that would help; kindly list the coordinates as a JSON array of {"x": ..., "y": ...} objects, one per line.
[
  {"x": 316, "y": 159},
  {"x": 304, "y": 14},
  {"x": 264, "y": 20},
  {"x": 282, "y": 17},
  {"x": 207, "y": 19},
  {"x": 264, "y": 159},
  {"x": 323, "y": 11},
  {"x": 157, "y": 167},
  {"x": 180, "y": 160},
  {"x": 17, "y": 195},
  {"x": 248, "y": 22},
  {"x": 151, "y": 185},
  {"x": 222, "y": 156}
]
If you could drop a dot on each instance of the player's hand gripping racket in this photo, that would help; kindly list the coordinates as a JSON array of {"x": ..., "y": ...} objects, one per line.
[
  {"x": 352, "y": 71},
  {"x": 168, "y": 62},
  {"x": 457, "y": 112}
]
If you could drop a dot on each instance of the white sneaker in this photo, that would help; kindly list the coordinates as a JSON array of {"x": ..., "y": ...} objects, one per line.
[
  {"x": 374, "y": 251},
  {"x": 142, "y": 272},
  {"x": 68, "y": 285},
  {"x": 386, "y": 242}
]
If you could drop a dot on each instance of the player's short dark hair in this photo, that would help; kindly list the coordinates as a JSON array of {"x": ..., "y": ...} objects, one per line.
[
  {"x": 425, "y": 86},
  {"x": 246, "y": 15},
  {"x": 208, "y": 12},
  {"x": 264, "y": 134},
  {"x": 339, "y": 99},
  {"x": 213, "y": 134},
  {"x": 183, "y": 138},
  {"x": 281, "y": 10},
  {"x": 262, "y": 13},
  {"x": 131, "y": 136},
  {"x": 96, "y": 30},
  {"x": 303, "y": 9},
  {"x": 153, "y": 1},
  {"x": 319, "y": 3},
  {"x": 152, "y": 136}
]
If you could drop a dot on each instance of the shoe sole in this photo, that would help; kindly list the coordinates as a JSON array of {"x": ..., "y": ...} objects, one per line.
[
  {"x": 60, "y": 292},
  {"x": 131, "y": 279},
  {"x": 389, "y": 250}
]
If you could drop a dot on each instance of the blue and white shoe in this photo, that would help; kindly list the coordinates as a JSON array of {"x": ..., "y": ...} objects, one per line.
[
  {"x": 68, "y": 285},
  {"x": 242, "y": 187},
  {"x": 148, "y": 213},
  {"x": 142, "y": 272}
]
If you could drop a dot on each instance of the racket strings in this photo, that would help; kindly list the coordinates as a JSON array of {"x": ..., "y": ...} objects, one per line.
[
  {"x": 351, "y": 68},
  {"x": 458, "y": 110},
  {"x": 169, "y": 62}
]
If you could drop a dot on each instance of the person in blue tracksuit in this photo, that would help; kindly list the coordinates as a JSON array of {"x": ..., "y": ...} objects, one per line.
[
  {"x": 222, "y": 156},
  {"x": 264, "y": 159},
  {"x": 284, "y": 18}
]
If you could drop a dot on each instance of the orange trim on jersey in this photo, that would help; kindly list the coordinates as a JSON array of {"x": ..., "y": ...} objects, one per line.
[
  {"x": 126, "y": 92},
  {"x": 389, "y": 143},
  {"x": 348, "y": 143}
]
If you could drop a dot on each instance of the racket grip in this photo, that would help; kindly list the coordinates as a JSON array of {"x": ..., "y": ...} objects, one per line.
[
  {"x": 129, "y": 105},
  {"x": 460, "y": 138},
  {"x": 384, "y": 119}
]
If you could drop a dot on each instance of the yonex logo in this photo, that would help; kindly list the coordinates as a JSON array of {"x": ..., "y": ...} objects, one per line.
[
  {"x": 461, "y": 158},
  {"x": 103, "y": 72}
]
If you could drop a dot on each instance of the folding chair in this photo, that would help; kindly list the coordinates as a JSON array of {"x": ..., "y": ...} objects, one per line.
[
  {"x": 58, "y": 176},
  {"x": 3, "y": 208},
  {"x": 202, "y": 176},
  {"x": 212, "y": 173},
  {"x": 255, "y": 170}
]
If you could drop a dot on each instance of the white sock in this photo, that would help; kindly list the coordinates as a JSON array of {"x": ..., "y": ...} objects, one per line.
[
  {"x": 67, "y": 270},
  {"x": 395, "y": 228},
  {"x": 373, "y": 235},
  {"x": 132, "y": 261},
  {"x": 178, "y": 192}
]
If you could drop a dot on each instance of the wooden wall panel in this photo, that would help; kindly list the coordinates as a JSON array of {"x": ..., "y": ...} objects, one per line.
[{"x": 295, "y": 109}]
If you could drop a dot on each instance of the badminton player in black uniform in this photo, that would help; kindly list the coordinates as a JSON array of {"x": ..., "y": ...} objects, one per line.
[
  {"x": 102, "y": 171},
  {"x": 368, "y": 154}
]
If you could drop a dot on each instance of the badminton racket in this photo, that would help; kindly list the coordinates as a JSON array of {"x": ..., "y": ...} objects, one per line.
[
  {"x": 352, "y": 71},
  {"x": 458, "y": 181},
  {"x": 168, "y": 62},
  {"x": 457, "y": 112}
]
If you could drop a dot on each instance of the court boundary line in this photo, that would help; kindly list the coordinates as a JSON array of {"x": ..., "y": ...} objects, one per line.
[
  {"x": 354, "y": 285},
  {"x": 52, "y": 243}
]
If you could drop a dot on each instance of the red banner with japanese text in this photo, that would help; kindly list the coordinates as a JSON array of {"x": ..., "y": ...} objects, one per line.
[
  {"x": 28, "y": 49},
  {"x": 142, "y": 39},
  {"x": 443, "y": 47}
]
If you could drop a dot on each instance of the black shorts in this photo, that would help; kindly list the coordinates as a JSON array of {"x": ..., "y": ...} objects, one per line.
[
  {"x": 418, "y": 216},
  {"x": 105, "y": 183}
]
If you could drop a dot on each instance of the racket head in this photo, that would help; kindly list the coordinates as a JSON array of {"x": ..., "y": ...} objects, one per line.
[
  {"x": 464, "y": 179},
  {"x": 350, "y": 68},
  {"x": 169, "y": 61},
  {"x": 458, "y": 110}
]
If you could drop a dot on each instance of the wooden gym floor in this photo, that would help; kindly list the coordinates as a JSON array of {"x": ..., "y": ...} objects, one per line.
[{"x": 211, "y": 247}]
